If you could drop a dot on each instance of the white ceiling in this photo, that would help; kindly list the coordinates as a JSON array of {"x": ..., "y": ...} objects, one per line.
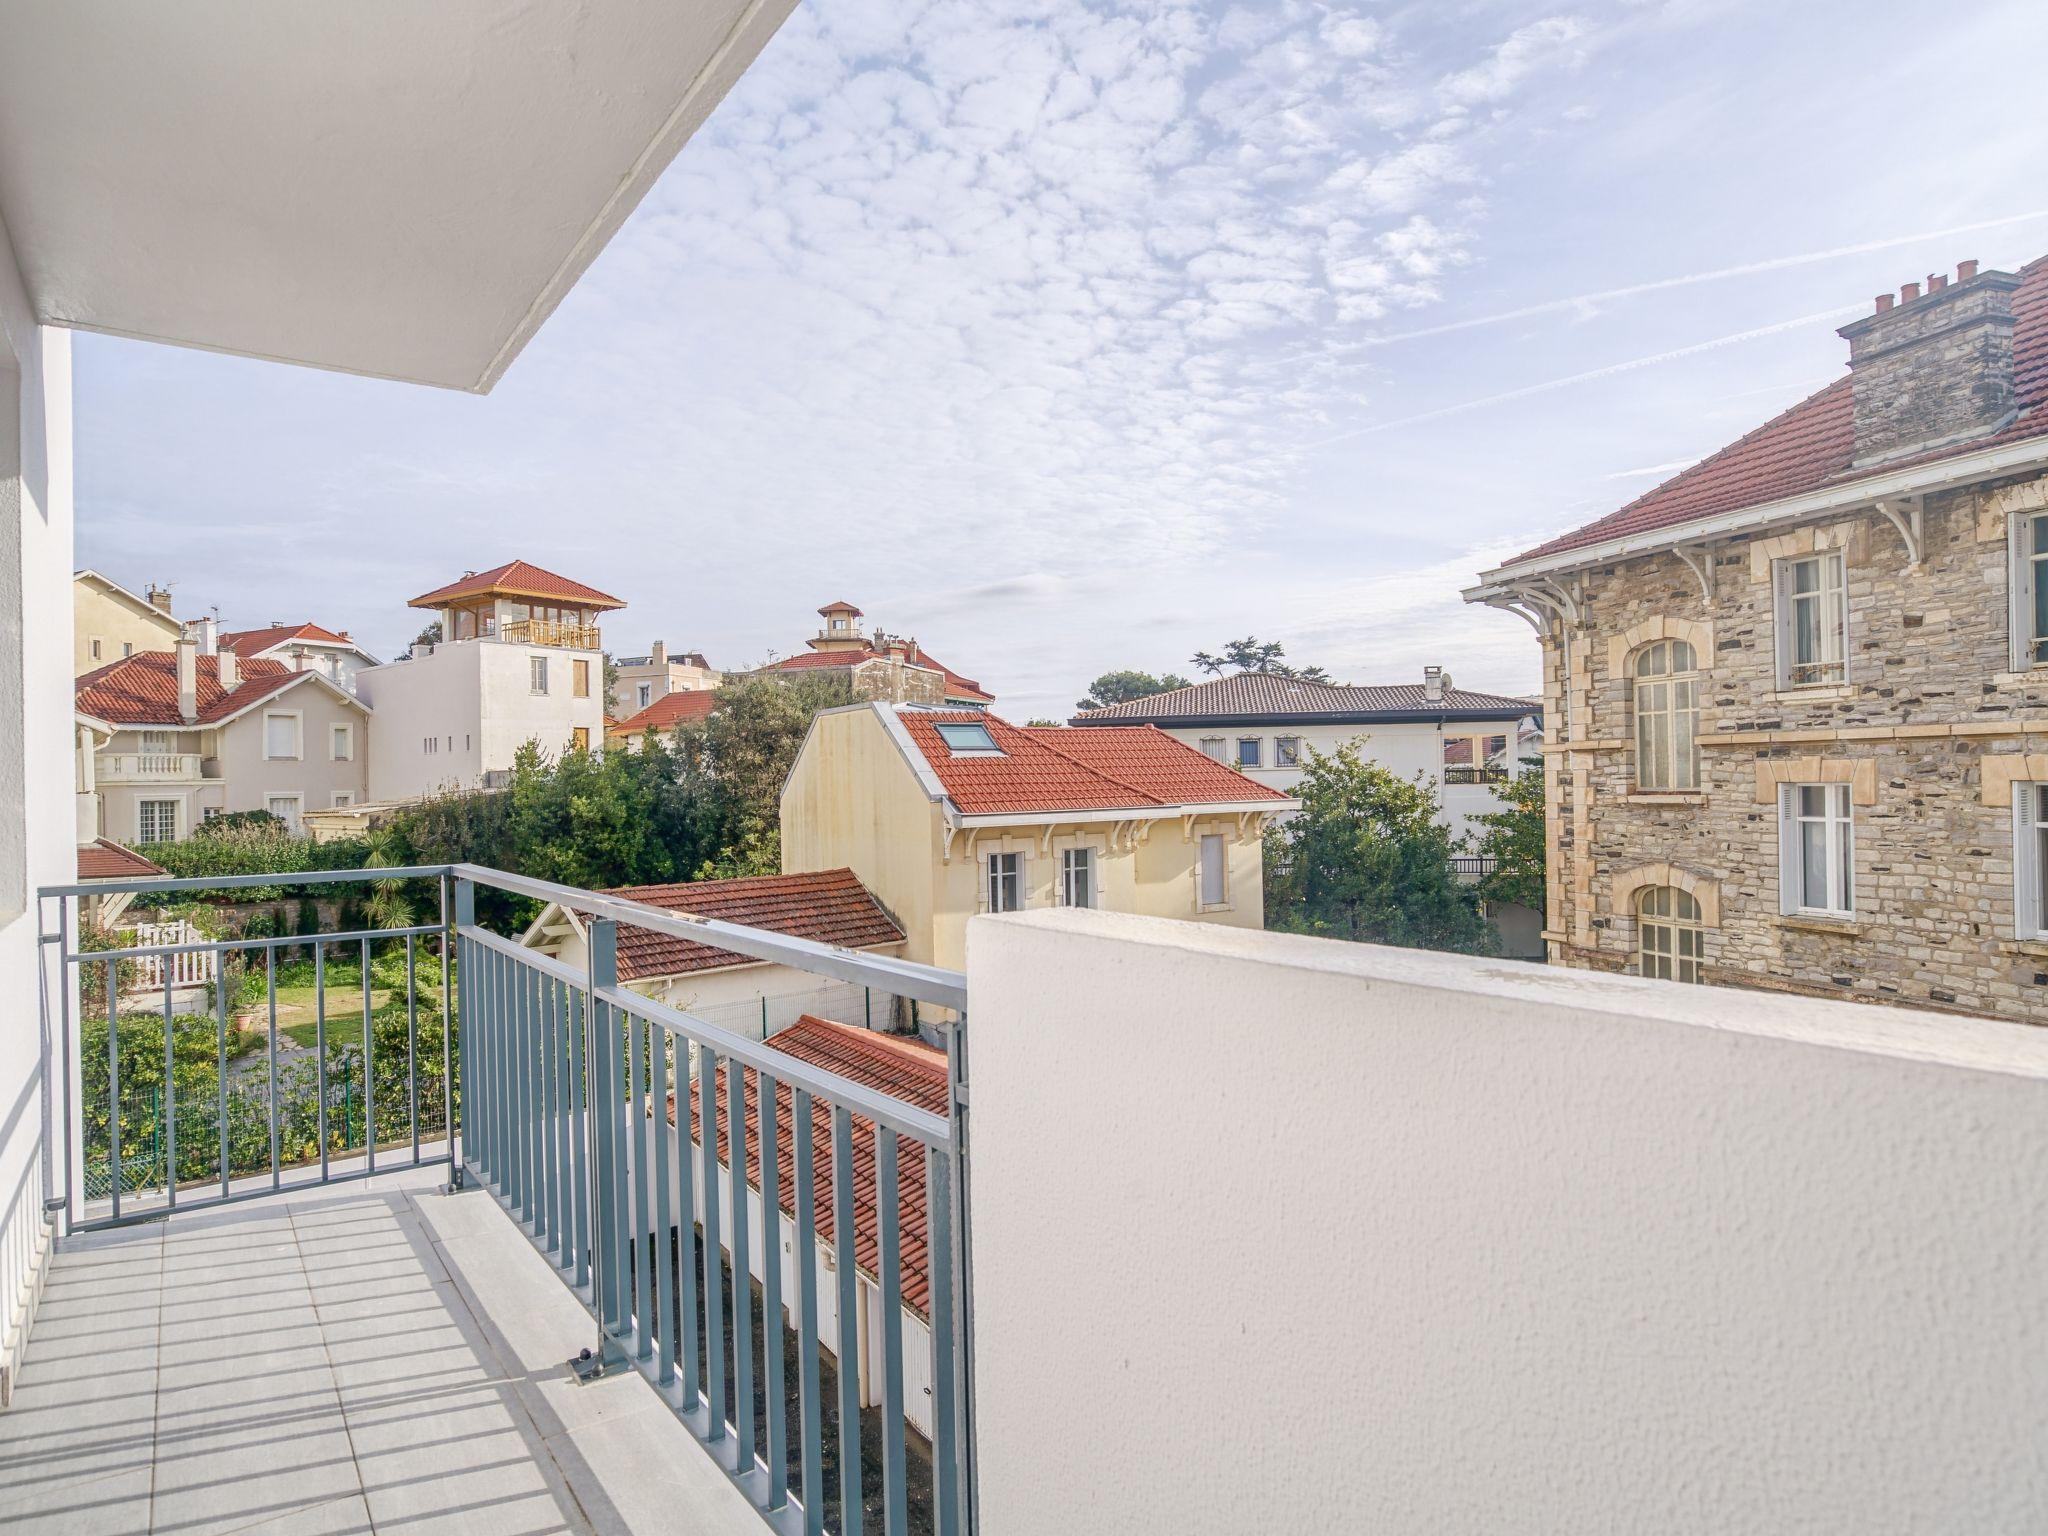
[{"x": 404, "y": 188}]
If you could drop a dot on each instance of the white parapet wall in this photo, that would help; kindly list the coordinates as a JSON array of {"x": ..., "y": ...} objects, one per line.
[{"x": 1281, "y": 1234}]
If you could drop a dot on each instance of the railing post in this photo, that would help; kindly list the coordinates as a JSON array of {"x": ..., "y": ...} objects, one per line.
[
  {"x": 962, "y": 1501},
  {"x": 456, "y": 917},
  {"x": 600, "y": 1053}
]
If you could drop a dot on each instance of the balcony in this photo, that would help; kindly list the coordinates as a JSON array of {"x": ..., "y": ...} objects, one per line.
[
  {"x": 148, "y": 767},
  {"x": 552, "y": 632},
  {"x": 1442, "y": 1244}
]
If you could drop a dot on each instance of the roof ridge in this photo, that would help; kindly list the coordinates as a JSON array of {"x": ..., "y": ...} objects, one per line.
[{"x": 1108, "y": 778}]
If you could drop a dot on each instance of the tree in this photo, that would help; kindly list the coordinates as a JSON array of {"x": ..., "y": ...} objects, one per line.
[
  {"x": 1368, "y": 860},
  {"x": 431, "y": 635},
  {"x": 1253, "y": 655},
  {"x": 1513, "y": 839},
  {"x": 1122, "y": 687}
]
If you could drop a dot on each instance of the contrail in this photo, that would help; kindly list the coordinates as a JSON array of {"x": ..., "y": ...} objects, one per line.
[
  {"x": 1776, "y": 263},
  {"x": 1593, "y": 373}
]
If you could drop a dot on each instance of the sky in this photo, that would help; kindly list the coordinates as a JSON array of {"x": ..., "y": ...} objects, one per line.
[{"x": 1071, "y": 336}]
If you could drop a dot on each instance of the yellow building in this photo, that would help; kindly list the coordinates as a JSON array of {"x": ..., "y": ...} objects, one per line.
[
  {"x": 109, "y": 622},
  {"x": 944, "y": 814}
]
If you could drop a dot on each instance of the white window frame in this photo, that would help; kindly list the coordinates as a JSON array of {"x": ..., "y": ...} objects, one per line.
[
  {"x": 1837, "y": 822},
  {"x": 1830, "y": 671},
  {"x": 177, "y": 819},
  {"x": 1663, "y": 702},
  {"x": 1213, "y": 747},
  {"x": 298, "y": 751},
  {"x": 1258, "y": 758},
  {"x": 1670, "y": 944},
  {"x": 295, "y": 822},
  {"x": 1083, "y": 857},
  {"x": 2029, "y": 860},
  {"x": 344, "y": 797},
  {"x": 1003, "y": 865},
  {"x": 341, "y": 733},
  {"x": 94, "y": 644},
  {"x": 537, "y": 676},
  {"x": 1204, "y": 901},
  {"x": 159, "y": 742},
  {"x": 2025, "y": 571}
]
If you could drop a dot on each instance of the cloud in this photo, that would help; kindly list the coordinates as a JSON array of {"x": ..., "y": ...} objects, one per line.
[{"x": 1540, "y": 45}]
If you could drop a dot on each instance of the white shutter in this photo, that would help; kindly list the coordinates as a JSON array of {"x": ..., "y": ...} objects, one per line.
[
  {"x": 2019, "y": 581},
  {"x": 1788, "y": 849},
  {"x": 2026, "y": 864}
]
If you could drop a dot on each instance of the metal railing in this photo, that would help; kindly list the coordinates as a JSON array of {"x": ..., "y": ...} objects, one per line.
[{"x": 570, "y": 1099}]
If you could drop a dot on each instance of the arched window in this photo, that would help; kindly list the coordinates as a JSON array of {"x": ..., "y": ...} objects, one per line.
[
  {"x": 1667, "y": 716},
  {"x": 1668, "y": 934}
]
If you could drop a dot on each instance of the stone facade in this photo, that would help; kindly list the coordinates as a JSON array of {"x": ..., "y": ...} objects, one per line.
[{"x": 1929, "y": 731}]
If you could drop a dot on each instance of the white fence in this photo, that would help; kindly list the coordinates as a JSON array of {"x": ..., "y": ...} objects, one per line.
[{"x": 193, "y": 968}]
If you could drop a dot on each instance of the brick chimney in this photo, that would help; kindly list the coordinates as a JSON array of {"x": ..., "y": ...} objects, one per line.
[
  {"x": 658, "y": 652},
  {"x": 1934, "y": 368},
  {"x": 159, "y": 598},
  {"x": 188, "y": 681}
]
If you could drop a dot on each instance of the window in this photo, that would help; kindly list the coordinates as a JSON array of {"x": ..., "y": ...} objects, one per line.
[
  {"x": 1668, "y": 934},
  {"x": 1812, "y": 616},
  {"x": 963, "y": 740},
  {"x": 1667, "y": 717},
  {"x": 1212, "y": 746},
  {"x": 1005, "y": 882},
  {"x": 1248, "y": 751},
  {"x": 1286, "y": 751},
  {"x": 95, "y": 648},
  {"x": 156, "y": 741},
  {"x": 1816, "y": 850},
  {"x": 1077, "y": 877},
  {"x": 579, "y": 738},
  {"x": 838, "y": 624},
  {"x": 579, "y": 679},
  {"x": 127, "y": 649},
  {"x": 1214, "y": 871},
  {"x": 281, "y": 735},
  {"x": 537, "y": 673},
  {"x": 2030, "y": 860},
  {"x": 285, "y": 808},
  {"x": 209, "y": 812},
  {"x": 2029, "y": 580},
  {"x": 344, "y": 797},
  {"x": 341, "y": 742},
  {"x": 1476, "y": 759},
  {"x": 156, "y": 821},
  {"x": 646, "y": 694}
]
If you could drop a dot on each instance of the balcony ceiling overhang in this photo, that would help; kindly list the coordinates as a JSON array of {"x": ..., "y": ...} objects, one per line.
[{"x": 383, "y": 187}]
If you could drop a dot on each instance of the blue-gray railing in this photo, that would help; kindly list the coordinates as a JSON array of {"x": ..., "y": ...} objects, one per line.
[{"x": 532, "y": 1051}]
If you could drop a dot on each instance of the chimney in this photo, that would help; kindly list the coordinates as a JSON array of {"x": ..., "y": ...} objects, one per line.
[
  {"x": 230, "y": 666},
  {"x": 658, "y": 653},
  {"x": 207, "y": 632},
  {"x": 159, "y": 598},
  {"x": 1433, "y": 681},
  {"x": 1935, "y": 368},
  {"x": 188, "y": 681}
]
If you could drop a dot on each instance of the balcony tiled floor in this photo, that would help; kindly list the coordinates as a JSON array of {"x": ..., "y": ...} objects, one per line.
[{"x": 375, "y": 1357}]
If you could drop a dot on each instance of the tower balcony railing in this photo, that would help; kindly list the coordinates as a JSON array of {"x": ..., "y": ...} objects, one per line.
[
  {"x": 438, "y": 1038},
  {"x": 552, "y": 632}
]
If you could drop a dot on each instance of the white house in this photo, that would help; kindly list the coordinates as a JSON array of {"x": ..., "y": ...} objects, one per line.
[
  {"x": 303, "y": 647},
  {"x": 737, "y": 992},
  {"x": 520, "y": 659}
]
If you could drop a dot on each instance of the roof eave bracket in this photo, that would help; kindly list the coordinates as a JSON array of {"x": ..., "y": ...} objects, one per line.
[{"x": 1905, "y": 514}]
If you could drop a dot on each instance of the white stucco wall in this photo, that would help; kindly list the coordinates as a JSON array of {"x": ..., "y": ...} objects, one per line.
[
  {"x": 37, "y": 814},
  {"x": 1464, "y": 1246},
  {"x": 1406, "y": 750}
]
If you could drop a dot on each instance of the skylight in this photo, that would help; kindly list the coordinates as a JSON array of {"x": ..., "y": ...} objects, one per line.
[{"x": 965, "y": 739}]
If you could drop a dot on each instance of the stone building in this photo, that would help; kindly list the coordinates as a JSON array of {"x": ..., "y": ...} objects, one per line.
[
  {"x": 1797, "y": 697},
  {"x": 888, "y": 669}
]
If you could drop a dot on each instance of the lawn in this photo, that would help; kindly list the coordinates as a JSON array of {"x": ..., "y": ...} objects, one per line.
[{"x": 297, "y": 1018}]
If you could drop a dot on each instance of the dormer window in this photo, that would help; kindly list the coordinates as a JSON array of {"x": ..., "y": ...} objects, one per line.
[{"x": 968, "y": 740}]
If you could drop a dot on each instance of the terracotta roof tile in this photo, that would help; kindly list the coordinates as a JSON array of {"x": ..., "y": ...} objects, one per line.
[
  {"x": 520, "y": 579},
  {"x": 103, "y": 859},
  {"x": 1049, "y": 768},
  {"x": 957, "y": 687},
  {"x": 902, "y": 1068},
  {"x": 143, "y": 689},
  {"x": 666, "y": 712},
  {"x": 252, "y": 642},
  {"x": 1249, "y": 694},
  {"x": 830, "y": 906},
  {"x": 1810, "y": 447}
]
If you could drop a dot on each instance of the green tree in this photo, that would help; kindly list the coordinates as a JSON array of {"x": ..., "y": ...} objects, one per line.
[
  {"x": 1122, "y": 687},
  {"x": 1368, "y": 860},
  {"x": 1254, "y": 655},
  {"x": 1513, "y": 839}
]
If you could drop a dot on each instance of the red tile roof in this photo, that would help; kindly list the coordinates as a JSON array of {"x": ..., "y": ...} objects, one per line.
[
  {"x": 103, "y": 859},
  {"x": 830, "y": 906},
  {"x": 1809, "y": 447},
  {"x": 252, "y": 642},
  {"x": 143, "y": 689},
  {"x": 902, "y": 1068},
  {"x": 517, "y": 578},
  {"x": 1052, "y": 768},
  {"x": 666, "y": 712},
  {"x": 957, "y": 687}
]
